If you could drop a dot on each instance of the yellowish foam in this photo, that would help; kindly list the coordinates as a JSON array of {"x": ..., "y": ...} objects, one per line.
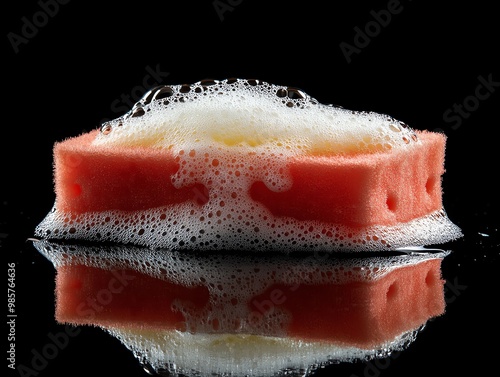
[
  {"x": 237, "y": 114},
  {"x": 240, "y": 354}
]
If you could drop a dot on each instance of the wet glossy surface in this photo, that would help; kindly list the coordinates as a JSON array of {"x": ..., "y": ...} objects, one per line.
[
  {"x": 235, "y": 310},
  {"x": 469, "y": 293}
]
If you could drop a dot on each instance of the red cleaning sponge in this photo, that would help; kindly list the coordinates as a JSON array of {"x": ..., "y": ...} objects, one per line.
[{"x": 240, "y": 167}]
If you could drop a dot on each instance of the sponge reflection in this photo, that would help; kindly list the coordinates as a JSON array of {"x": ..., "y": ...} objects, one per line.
[{"x": 247, "y": 314}]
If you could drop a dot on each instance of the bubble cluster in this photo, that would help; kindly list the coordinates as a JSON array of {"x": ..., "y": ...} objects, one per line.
[
  {"x": 251, "y": 113},
  {"x": 190, "y": 227},
  {"x": 182, "y": 354},
  {"x": 217, "y": 268}
]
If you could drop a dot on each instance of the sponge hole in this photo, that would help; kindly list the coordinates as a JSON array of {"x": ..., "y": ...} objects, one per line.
[
  {"x": 430, "y": 278},
  {"x": 392, "y": 291},
  {"x": 75, "y": 190},
  {"x": 391, "y": 202},
  {"x": 430, "y": 185}
]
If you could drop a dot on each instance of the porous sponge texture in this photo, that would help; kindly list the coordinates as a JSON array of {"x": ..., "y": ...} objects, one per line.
[
  {"x": 121, "y": 297},
  {"x": 358, "y": 190},
  {"x": 363, "y": 190},
  {"x": 364, "y": 313},
  {"x": 89, "y": 178}
]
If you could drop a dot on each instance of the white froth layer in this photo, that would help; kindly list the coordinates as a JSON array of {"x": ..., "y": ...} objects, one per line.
[
  {"x": 257, "y": 117},
  {"x": 252, "y": 270},
  {"x": 242, "y": 355},
  {"x": 210, "y": 227}
]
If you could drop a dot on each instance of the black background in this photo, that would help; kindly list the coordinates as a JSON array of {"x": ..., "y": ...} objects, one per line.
[{"x": 67, "y": 74}]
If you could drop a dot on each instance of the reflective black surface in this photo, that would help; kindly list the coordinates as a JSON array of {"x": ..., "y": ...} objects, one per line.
[
  {"x": 69, "y": 67},
  {"x": 252, "y": 313}
]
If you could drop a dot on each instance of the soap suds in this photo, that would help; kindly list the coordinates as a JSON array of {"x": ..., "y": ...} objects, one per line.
[{"x": 175, "y": 353}]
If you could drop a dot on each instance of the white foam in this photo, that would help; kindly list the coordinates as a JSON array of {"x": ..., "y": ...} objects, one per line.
[
  {"x": 215, "y": 269},
  {"x": 252, "y": 118},
  {"x": 189, "y": 226},
  {"x": 242, "y": 355}
]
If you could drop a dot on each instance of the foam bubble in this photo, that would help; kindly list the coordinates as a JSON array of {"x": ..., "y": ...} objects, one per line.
[{"x": 218, "y": 268}]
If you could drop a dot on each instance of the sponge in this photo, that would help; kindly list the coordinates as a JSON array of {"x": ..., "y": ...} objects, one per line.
[{"x": 247, "y": 165}]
